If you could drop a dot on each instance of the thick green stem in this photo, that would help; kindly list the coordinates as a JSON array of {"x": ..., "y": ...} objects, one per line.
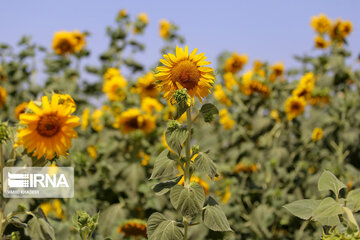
[
  {"x": 188, "y": 153},
  {"x": 186, "y": 227}
]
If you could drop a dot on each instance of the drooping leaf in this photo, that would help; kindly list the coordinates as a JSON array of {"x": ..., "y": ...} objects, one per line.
[
  {"x": 302, "y": 208},
  {"x": 164, "y": 166},
  {"x": 181, "y": 109},
  {"x": 207, "y": 111},
  {"x": 158, "y": 227},
  {"x": 163, "y": 187},
  {"x": 188, "y": 200},
  {"x": 214, "y": 217},
  {"x": 328, "y": 181},
  {"x": 204, "y": 163},
  {"x": 39, "y": 228}
]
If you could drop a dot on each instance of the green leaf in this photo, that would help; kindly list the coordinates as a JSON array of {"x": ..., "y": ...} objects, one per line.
[
  {"x": 207, "y": 111},
  {"x": 209, "y": 108},
  {"x": 164, "y": 187},
  {"x": 214, "y": 217},
  {"x": 180, "y": 109},
  {"x": 188, "y": 200},
  {"x": 204, "y": 163},
  {"x": 39, "y": 228},
  {"x": 327, "y": 212},
  {"x": 302, "y": 208},
  {"x": 164, "y": 166},
  {"x": 328, "y": 181},
  {"x": 175, "y": 138},
  {"x": 158, "y": 227},
  {"x": 108, "y": 218},
  {"x": 353, "y": 200}
]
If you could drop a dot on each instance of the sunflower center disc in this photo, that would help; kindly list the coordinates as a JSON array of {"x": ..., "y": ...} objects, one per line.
[
  {"x": 48, "y": 125},
  {"x": 186, "y": 73}
]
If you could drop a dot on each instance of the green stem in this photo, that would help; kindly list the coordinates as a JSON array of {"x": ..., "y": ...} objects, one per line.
[
  {"x": 188, "y": 153},
  {"x": 186, "y": 227},
  {"x": 2, "y": 204}
]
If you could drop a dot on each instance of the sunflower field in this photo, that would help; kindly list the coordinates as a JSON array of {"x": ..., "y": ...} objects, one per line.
[{"x": 189, "y": 149}]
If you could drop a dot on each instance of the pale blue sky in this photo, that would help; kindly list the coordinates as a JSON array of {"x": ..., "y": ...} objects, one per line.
[{"x": 268, "y": 30}]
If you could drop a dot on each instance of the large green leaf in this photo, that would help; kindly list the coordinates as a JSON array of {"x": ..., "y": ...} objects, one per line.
[
  {"x": 327, "y": 212},
  {"x": 214, "y": 217},
  {"x": 108, "y": 219},
  {"x": 39, "y": 228},
  {"x": 208, "y": 110},
  {"x": 164, "y": 166},
  {"x": 204, "y": 163},
  {"x": 353, "y": 200},
  {"x": 180, "y": 109},
  {"x": 328, "y": 181},
  {"x": 163, "y": 187},
  {"x": 303, "y": 208},
  {"x": 188, "y": 200},
  {"x": 158, "y": 227},
  {"x": 175, "y": 138}
]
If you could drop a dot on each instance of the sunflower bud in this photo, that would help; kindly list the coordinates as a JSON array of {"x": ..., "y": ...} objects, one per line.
[
  {"x": 4, "y": 132},
  {"x": 181, "y": 96},
  {"x": 195, "y": 149}
]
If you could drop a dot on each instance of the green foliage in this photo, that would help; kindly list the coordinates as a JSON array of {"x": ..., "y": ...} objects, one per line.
[
  {"x": 214, "y": 217},
  {"x": 85, "y": 224},
  {"x": 161, "y": 228}
]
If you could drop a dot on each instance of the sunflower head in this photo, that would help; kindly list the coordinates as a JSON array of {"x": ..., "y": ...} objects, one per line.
[
  {"x": 3, "y": 95},
  {"x": 185, "y": 71},
  {"x": 317, "y": 134},
  {"x": 225, "y": 119},
  {"x": 294, "y": 106},
  {"x": 220, "y": 95},
  {"x": 146, "y": 86},
  {"x": 115, "y": 88},
  {"x": 164, "y": 28},
  {"x": 132, "y": 120},
  {"x": 48, "y": 129},
  {"x": 133, "y": 228},
  {"x": 64, "y": 43},
  {"x": 320, "y": 42},
  {"x": 321, "y": 23},
  {"x": 229, "y": 80},
  {"x": 149, "y": 105},
  {"x": 235, "y": 63}
]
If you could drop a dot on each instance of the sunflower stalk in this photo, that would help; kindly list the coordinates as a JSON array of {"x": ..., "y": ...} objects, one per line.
[
  {"x": 2, "y": 203},
  {"x": 188, "y": 153}
]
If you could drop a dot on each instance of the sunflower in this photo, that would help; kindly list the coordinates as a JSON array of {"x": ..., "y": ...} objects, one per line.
[
  {"x": 53, "y": 209},
  {"x": 320, "y": 42},
  {"x": 220, "y": 95},
  {"x": 321, "y": 23},
  {"x": 133, "y": 228},
  {"x": 133, "y": 119},
  {"x": 85, "y": 119},
  {"x": 185, "y": 70},
  {"x": 122, "y": 14},
  {"x": 229, "y": 80},
  {"x": 80, "y": 40},
  {"x": 249, "y": 86},
  {"x": 274, "y": 114},
  {"x": 246, "y": 167},
  {"x": 49, "y": 129},
  {"x": 225, "y": 119},
  {"x": 146, "y": 86},
  {"x": 111, "y": 72},
  {"x": 148, "y": 105},
  {"x": 92, "y": 151},
  {"x": 3, "y": 95},
  {"x": 64, "y": 43},
  {"x": 164, "y": 28},
  {"x": 235, "y": 63},
  {"x": 317, "y": 134},
  {"x": 114, "y": 88},
  {"x": 294, "y": 106},
  {"x": 20, "y": 109}
]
